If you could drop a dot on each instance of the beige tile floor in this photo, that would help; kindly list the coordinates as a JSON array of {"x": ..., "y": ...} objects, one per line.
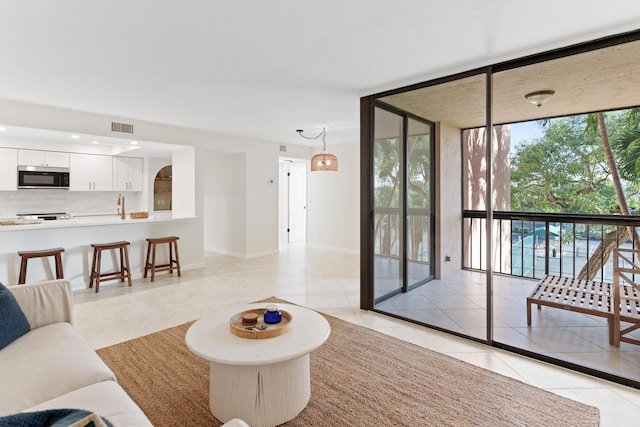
[{"x": 326, "y": 281}]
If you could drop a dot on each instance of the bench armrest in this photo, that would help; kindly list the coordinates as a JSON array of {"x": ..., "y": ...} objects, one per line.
[{"x": 46, "y": 302}]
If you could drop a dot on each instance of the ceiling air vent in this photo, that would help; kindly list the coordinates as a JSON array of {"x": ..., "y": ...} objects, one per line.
[
  {"x": 283, "y": 148},
  {"x": 121, "y": 127}
]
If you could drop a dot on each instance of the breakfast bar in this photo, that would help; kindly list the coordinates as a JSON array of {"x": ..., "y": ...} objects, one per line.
[{"x": 76, "y": 235}]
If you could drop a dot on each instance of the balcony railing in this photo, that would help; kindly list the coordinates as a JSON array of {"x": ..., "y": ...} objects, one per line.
[
  {"x": 388, "y": 234},
  {"x": 535, "y": 244}
]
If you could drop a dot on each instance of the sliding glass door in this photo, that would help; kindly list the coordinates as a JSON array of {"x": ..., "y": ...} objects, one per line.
[{"x": 402, "y": 193}]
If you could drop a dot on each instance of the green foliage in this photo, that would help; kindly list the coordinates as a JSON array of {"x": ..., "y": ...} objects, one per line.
[
  {"x": 626, "y": 145},
  {"x": 561, "y": 172},
  {"x": 566, "y": 169},
  {"x": 387, "y": 172}
]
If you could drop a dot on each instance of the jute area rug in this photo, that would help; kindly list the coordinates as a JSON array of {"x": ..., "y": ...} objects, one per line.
[{"x": 359, "y": 377}]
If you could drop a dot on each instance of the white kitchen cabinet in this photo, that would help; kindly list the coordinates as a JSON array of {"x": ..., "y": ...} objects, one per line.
[
  {"x": 127, "y": 174},
  {"x": 43, "y": 158},
  {"x": 8, "y": 169},
  {"x": 90, "y": 172}
]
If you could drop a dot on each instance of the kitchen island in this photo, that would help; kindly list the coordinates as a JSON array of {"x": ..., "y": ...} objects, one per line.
[{"x": 77, "y": 234}]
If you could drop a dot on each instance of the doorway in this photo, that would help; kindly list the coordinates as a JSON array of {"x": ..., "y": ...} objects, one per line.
[{"x": 293, "y": 201}]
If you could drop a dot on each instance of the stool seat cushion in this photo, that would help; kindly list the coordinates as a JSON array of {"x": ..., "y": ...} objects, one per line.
[{"x": 13, "y": 322}]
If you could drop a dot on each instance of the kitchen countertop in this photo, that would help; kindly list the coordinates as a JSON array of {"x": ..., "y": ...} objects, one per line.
[{"x": 15, "y": 224}]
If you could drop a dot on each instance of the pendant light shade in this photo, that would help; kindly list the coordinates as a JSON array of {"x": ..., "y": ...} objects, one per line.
[{"x": 323, "y": 161}]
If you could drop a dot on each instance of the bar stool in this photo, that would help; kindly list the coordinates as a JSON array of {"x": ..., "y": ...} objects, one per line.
[
  {"x": 27, "y": 255},
  {"x": 123, "y": 273},
  {"x": 151, "y": 253}
]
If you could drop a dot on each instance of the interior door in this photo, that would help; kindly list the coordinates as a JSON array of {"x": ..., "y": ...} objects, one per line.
[{"x": 297, "y": 202}]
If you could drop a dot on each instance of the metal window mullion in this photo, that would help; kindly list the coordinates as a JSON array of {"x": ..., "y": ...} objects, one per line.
[
  {"x": 489, "y": 200},
  {"x": 404, "y": 200}
]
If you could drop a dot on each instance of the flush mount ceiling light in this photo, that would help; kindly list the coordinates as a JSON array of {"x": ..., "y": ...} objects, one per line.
[
  {"x": 322, "y": 161},
  {"x": 539, "y": 97}
]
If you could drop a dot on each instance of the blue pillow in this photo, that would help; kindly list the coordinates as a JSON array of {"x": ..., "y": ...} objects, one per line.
[
  {"x": 13, "y": 322},
  {"x": 54, "y": 418}
]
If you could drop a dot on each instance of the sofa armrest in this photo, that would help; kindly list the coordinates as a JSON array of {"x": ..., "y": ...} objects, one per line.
[{"x": 46, "y": 302}]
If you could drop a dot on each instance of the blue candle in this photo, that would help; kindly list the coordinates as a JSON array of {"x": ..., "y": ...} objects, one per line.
[{"x": 272, "y": 314}]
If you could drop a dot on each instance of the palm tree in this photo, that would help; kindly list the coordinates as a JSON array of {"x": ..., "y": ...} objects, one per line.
[{"x": 621, "y": 234}]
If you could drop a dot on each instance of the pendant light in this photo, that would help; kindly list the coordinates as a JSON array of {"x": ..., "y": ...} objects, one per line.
[{"x": 323, "y": 161}]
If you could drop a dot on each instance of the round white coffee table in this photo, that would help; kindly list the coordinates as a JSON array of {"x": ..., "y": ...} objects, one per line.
[{"x": 264, "y": 382}]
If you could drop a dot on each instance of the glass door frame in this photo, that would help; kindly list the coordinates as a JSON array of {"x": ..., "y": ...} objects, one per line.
[{"x": 367, "y": 296}]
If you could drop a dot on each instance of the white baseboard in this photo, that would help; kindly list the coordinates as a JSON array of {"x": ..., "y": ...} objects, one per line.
[
  {"x": 239, "y": 255},
  {"x": 334, "y": 249}
]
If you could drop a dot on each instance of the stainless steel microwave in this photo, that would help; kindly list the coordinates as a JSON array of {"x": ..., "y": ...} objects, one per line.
[{"x": 43, "y": 177}]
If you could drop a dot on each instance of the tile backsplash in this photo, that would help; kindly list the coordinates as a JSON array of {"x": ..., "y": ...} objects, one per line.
[{"x": 77, "y": 203}]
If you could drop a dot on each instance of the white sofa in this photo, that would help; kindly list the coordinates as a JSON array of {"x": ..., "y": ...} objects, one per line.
[{"x": 52, "y": 366}]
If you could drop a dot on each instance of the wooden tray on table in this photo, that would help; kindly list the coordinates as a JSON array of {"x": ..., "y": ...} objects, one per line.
[{"x": 260, "y": 329}]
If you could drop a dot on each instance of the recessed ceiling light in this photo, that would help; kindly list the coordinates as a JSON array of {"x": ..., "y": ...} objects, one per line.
[
  {"x": 2, "y": 129},
  {"x": 134, "y": 142},
  {"x": 75, "y": 136},
  {"x": 95, "y": 142}
]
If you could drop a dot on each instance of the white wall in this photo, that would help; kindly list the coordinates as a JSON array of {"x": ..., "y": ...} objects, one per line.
[
  {"x": 262, "y": 201},
  {"x": 225, "y": 204},
  {"x": 333, "y": 202},
  {"x": 183, "y": 190}
]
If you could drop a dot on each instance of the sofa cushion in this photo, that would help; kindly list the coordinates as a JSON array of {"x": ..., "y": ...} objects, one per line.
[
  {"x": 107, "y": 399},
  {"x": 44, "y": 363},
  {"x": 55, "y": 418},
  {"x": 13, "y": 322}
]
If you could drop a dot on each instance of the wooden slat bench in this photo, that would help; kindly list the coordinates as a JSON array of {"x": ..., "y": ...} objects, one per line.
[
  {"x": 583, "y": 296},
  {"x": 625, "y": 273}
]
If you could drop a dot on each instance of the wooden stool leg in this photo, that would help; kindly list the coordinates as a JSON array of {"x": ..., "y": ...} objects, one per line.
[
  {"x": 99, "y": 269},
  {"x": 146, "y": 264},
  {"x": 170, "y": 257},
  {"x": 126, "y": 261},
  {"x": 121, "y": 264},
  {"x": 23, "y": 271},
  {"x": 177, "y": 258},
  {"x": 92, "y": 275},
  {"x": 153, "y": 263},
  {"x": 59, "y": 273}
]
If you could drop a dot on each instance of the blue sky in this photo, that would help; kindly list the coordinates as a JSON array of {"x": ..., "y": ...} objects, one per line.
[{"x": 525, "y": 131}]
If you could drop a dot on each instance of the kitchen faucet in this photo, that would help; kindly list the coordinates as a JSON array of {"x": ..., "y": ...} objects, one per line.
[{"x": 121, "y": 202}]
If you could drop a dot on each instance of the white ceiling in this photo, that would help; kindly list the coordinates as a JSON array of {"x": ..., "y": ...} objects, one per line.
[{"x": 263, "y": 69}]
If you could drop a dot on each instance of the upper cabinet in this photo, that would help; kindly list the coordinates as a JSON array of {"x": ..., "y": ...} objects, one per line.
[
  {"x": 8, "y": 169},
  {"x": 43, "y": 158},
  {"x": 127, "y": 174},
  {"x": 90, "y": 172}
]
